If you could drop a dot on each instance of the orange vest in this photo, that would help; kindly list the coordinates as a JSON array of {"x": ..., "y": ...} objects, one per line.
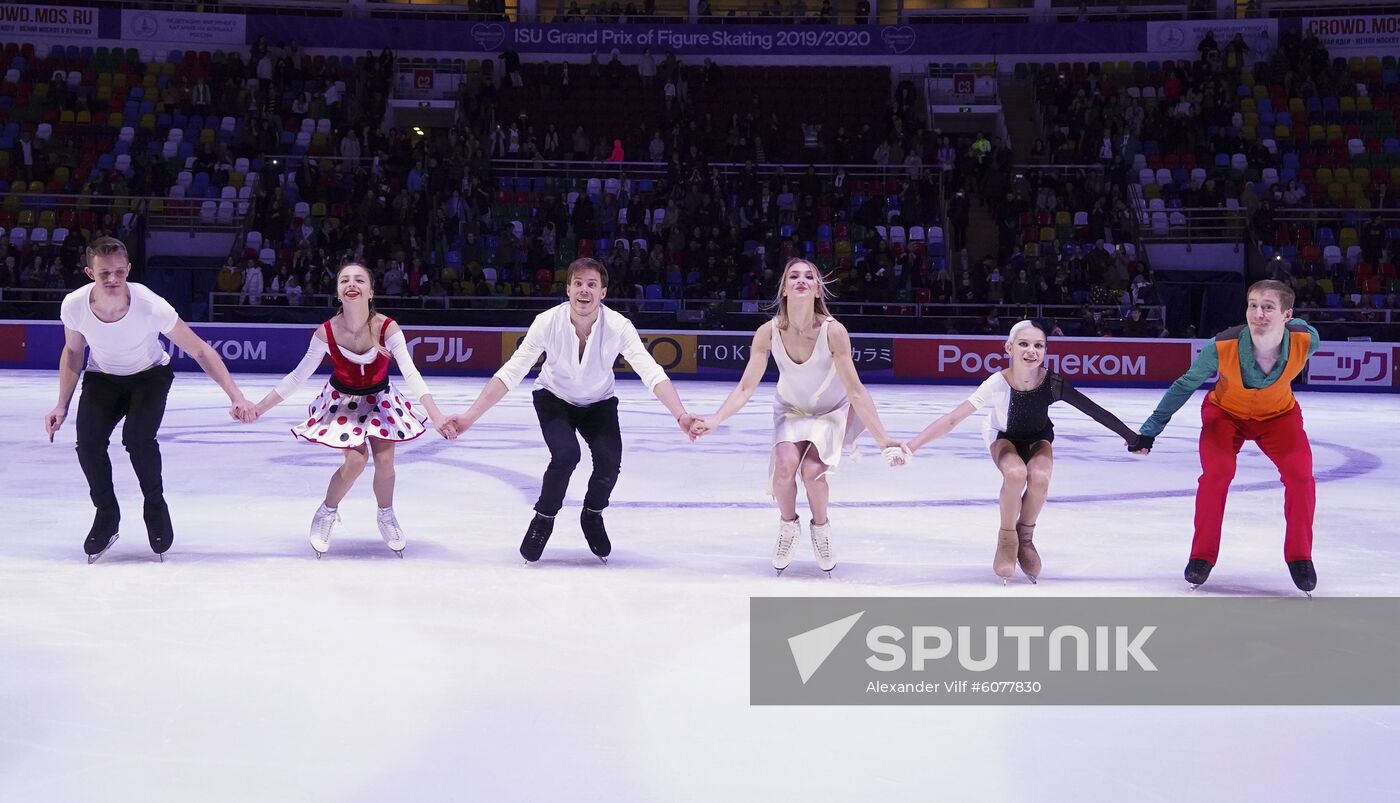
[{"x": 1257, "y": 404}]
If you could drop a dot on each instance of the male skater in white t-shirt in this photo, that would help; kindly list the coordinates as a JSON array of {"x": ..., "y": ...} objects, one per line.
[{"x": 128, "y": 376}]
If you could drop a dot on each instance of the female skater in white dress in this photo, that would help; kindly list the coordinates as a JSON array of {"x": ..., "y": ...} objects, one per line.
[{"x": 818, "y": 388}]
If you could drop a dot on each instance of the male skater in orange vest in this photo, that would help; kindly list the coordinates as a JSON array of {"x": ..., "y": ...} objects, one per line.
[{"x": 1252, "y": 400}]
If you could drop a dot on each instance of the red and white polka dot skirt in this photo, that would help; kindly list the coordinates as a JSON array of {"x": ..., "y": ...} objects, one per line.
[{"x": 343, "y": 421}]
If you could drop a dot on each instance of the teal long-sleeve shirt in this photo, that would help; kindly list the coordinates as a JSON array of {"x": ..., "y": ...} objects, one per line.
[{"x": 1208, "y": 361}]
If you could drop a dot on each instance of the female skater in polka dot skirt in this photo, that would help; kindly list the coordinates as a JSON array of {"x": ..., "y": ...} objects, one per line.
[{"x": 359, "y": 412}]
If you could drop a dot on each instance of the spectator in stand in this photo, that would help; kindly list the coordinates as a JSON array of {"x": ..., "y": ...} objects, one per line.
[
  {"x": 393, "y": 279},
  {"x": 1138, "y": 325},
  {"x": 252, "y": 285},
  {"x": 862, "y": 12},
  {"x": 293, "y": 291},
  {"x": 582, "y": 145},
  {"x": 646, "y": 68}
]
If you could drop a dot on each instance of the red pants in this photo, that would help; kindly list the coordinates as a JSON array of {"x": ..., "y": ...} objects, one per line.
[{"x": 1283, "y": 441}]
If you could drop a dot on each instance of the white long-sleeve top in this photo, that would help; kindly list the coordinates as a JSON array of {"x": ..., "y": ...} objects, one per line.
[
  {"x": 317, "y": 351},
  {"x": 585, "y": 380}
]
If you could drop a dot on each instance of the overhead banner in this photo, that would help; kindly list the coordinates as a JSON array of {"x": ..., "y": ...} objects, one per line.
[
  {"x": 22, "y": 21},
  {"x": 1368, "y": 31},
  {"x": 189, "y": 29},
  {"x": 797, "y": 42},
  {"x": 1183, "y": 36}
]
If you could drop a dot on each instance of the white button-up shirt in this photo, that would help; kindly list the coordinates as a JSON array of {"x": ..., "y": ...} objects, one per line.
[{"x": 585, "y": 380}]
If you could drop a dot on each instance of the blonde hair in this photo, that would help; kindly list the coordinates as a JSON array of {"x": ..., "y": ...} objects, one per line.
[
  {"x": 106, "y": 247},
  {"x": 1022, "y": 325},
  {"x": 780, "y": 300}
]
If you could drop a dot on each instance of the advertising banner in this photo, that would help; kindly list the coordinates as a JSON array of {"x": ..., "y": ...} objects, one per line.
[
  {"x": 247, "y": 347},
  {"x": 723, "y": 356},
  {"x": 25, "y": 21},
  {"x": 1086, "y": 361},
  {"x": 1182, "y": 36},
  {"x": 191, "y": 30},
  {"x": 453, "y": 351},
  {"x": 1371, "y": 32},
  {"x": 42, "y": 342},
  {"x": 1362, "y": 365},
  {"x": 1072, "y": 651},
  {"x": 13, "y": 344}
]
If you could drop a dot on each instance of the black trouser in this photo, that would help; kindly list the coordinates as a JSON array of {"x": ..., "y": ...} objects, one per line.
[
  {"x": 105, "y": 400},
  {"x": 561, "y": 424}
]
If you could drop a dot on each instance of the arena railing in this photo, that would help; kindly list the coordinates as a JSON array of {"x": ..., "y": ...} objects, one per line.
[
  {"x": 890, "y": 317},
  {"x": 438, "y": 10},
  {"x": 524, "y": 168},
  {"x": 758, "y": 12},
  {"x": 926, "y": 12},
  {"x": 33, "y": 303},
  {"x": 1333, "y": 8},
  {"x": 671, "y": 313},
  {"x": 1191, "y": 225},
  {"x": 1313, "y": 217},
  {"x": 1116, "y": 10},
  {"x": 180, "y": 214}
]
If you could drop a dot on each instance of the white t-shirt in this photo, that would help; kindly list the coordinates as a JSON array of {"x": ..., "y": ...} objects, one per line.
[
  {"x": 580, "y": 381},
  {"x": 130, "y": 345},
  {"x": 993, "y": 391}
]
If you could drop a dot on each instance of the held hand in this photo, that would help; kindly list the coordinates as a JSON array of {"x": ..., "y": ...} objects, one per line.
[
  {"x": 54, "y": 420},
  {"x": 897, "y": 454},
  {"x": 700, "y": 427},
  {"x": 446, "y": 427},
  {"x": 460, "y": 424},
  {"x": 686, "y": 422},
  {"x": 1143, "y": 446},
  {"x": 244, "y": 411}
]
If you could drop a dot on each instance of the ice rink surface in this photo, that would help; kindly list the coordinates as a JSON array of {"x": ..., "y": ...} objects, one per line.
[{"x": 243, "y": 669}]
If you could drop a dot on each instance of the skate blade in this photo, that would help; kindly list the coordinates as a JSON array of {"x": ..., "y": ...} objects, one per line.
[
  {"x": 318, "y": 552},
  {"x": 1192, "y": 586},
  {"x": 398, "y": 552},
  {"x": 93, "y": 558},
  {"x": 1309, "y": 593},
  {"x": 603, "y": 559},
  {"x": 1034, "y": 581},
  {"x": 160, "y": 556}
]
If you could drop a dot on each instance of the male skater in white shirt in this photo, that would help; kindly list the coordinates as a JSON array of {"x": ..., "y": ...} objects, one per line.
[
  {"x": 128, "y": 376},
  {"x": 574, "y": 395}
]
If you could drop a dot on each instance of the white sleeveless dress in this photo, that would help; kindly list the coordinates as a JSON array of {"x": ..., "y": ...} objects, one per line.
[{"x": 810, "y": 403}]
